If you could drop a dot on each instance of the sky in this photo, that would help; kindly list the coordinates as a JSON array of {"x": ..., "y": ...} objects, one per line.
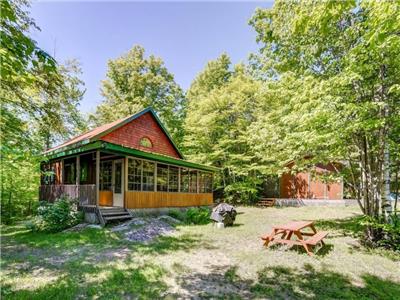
[{"x": 186, "y": 35}]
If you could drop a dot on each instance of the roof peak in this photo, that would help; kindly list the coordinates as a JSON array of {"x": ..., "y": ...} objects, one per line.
[{"x": 97, "y": 132}]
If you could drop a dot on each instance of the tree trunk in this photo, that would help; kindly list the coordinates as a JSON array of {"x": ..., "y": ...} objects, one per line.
[{"x": 386, "y": 205}]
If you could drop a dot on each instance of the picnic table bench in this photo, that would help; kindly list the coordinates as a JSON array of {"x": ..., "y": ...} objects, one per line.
[
  {"x": 286, "y": 231},
  {"x": 266, "y": 202}
]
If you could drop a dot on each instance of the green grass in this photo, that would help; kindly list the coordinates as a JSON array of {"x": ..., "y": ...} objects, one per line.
[{"x": 199, "y": 261}]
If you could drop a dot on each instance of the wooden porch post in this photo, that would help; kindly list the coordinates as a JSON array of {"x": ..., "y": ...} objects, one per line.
[
  {"x": 97, "y": 177},
  {"x": 179, "y": 180},
  {"x": 78, "y": 177},
  {"x": 198, "y": 181},
  {"x": 155, "y": 177},
  {"x": 125, "y": 180},
  {"x": 62, "y": 172},
  {"x": 78, "y": 170}
]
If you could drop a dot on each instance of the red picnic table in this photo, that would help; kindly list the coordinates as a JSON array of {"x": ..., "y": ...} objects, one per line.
[{"x": 295, "y": 228}]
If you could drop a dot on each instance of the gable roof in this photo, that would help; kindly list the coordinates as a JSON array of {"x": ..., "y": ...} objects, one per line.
[{"x": 98, "y": 132}]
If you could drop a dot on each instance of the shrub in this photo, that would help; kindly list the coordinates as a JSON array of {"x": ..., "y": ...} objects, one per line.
[
  {"x": 192, "y": 216},
  {"x": 177, "y": 214},
  {"x": 198, "y": 216},
  {"x": 388, "y": 234},
  {"x": 57, "y": 216},
  {"x": 242, "y": 192}
]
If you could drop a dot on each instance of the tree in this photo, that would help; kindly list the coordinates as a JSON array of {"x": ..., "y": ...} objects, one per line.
[
  {"x": 216, "y": 74},
  {"x": 39, "y": 102},
  {"x": 220, "y": 108},
  {"x": 58, "y": 117},
  {"x": 135, "y": 82},
  {"x": 332, "y": 76}
]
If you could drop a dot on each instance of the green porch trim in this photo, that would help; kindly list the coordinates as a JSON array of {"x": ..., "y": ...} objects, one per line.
[
  {"x": 157, "y": 157},
  {"x": 114, "y": 148},
  {"x": 73, "y": 151}
]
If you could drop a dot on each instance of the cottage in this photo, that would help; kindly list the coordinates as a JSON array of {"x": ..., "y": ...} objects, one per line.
[
  {"x": 130, "y": 163},
  {"x": 303, "y": 185}
]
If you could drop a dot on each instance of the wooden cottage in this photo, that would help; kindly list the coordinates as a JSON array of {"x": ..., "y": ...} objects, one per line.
[
  {"x": 303, "y": 185},
  {"x": 130, "y": 163}
]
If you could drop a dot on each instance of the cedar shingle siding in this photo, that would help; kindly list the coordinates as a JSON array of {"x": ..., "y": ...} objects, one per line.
[{"x": 131, "y": 133}]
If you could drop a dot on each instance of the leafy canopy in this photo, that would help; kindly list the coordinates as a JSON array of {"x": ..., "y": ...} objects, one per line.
[{"x": 135, "y": 82}]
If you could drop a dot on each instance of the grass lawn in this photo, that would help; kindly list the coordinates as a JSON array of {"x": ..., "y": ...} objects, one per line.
[{"x": 199, "y": 262}]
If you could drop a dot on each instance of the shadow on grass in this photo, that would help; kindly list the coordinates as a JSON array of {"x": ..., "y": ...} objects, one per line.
[
  {"x": 319, "y": 250},
  {"x": 63, "y": 240},
  {"x": 348, "y": 226},
  {"x": 223, "y": 282},
  {"x": 166, "y": 244},
  {"x": 288, "y": 283},
  {"x": 145, "y": 282}
]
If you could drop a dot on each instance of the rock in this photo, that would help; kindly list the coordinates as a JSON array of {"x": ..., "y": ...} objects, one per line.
[
  {"x": 137, "y": 221},
  {"x": 154, "y": 227},
  {"x": 94, "y": 226},
  {"x": 77, "y": 227},
  {"x": 169, "y": 219}
]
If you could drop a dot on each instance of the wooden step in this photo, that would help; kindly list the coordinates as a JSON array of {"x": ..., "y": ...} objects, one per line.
[
  {"x": 107, "y": 214},
  {"x": 114, "y": 213},
  {"x": 117, "y": 218},
  {"x": 266, "y": 202},
  {"x": 112, "y": 209}
]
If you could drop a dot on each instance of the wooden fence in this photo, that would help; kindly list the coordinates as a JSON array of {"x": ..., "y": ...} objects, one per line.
[{"x": 86, "y": 194}]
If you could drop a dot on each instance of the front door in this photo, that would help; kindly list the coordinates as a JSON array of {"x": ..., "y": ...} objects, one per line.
[{"x": 118, "y": 182}]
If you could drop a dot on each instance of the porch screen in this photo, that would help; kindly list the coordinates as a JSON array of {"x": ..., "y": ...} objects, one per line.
[
  {"x": 106, "y": 175},
  {"x": 193, "y": 181},
  {"x": 148, "y": 176},
  {"x": 173, "y": 179},
  {"x": 185, "y": 180},
  {"x": 162, "y": 178},
  {"x": 205, "y": 182},
  {"x": 134, "y": 174}
]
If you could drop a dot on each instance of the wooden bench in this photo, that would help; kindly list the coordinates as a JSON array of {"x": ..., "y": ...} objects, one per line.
[
  {"x": 266, "y": 202},
  {"x": 316, "y": 238}
]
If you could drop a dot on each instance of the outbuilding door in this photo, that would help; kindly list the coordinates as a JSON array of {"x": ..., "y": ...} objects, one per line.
[{"x": 118, "y": 182}]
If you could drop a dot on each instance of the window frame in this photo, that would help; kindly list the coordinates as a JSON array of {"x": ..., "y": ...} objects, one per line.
[{"x": 198, "y": 172}]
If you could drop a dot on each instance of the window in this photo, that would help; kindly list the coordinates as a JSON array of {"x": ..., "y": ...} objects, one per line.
[
  {"x": 69, "y": 173},
  {"x": 134, "y": 174},
  {"x": 162, "y": 178},
  {"x": 145, "y": 142},
  {"x": 48, "y": 174},
  {"x": 185, "y": 180},
  {"x": 143, "y": 176},
  {"x": 148, "y": 176},
  {"x": 206, "y": 182},
  {"x": 84, "y": 171},
  {"x": 106, "y": 175},
  {"x": 173, "y": 179},
  {"x": 193, "y": 181}
]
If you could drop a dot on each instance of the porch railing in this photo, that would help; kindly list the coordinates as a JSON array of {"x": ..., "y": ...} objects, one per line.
[{"x": 85, "y": 193}]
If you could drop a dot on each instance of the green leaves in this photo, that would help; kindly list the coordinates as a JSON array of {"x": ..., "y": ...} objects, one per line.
[
  {"x": 135, "y": 82},
  {"x": 331, "y": 73},
  {"x": 221, "y": 105},
  {"x": 39, "y": 101}
]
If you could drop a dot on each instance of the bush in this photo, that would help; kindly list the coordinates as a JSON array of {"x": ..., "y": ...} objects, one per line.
[
  {"x": 387, "y": 235},
  {"x": 242, "y": 192},
  {"x": 57, "y": 216},
  {"x": 192, "y": 216}
]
